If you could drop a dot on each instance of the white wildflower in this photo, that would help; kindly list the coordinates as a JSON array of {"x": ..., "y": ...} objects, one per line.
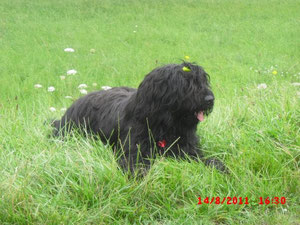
[
  {"x": 71, "y": 72},
  {"x": 38, "y": 86},
  {"x": 69, "y": 50},
  {"x": 68, "y": 97},
  {"x": 106, "y": 88},
  {"x": 92, "y": 50},
  {"x": 296, "y": 84},
  {"x": 63, "y": 109},
  {"x": 94, "y": 84},
  {"x": 51, "y": 89},
  {"x": 52, "y": 109},
  {"x": 62, "y": 77},
  {"x": 83, "y": 91},
  {"x": 82, "y": 86},
  {"x": 262, "y": 86},
  {"x": 134, "y": 31}
]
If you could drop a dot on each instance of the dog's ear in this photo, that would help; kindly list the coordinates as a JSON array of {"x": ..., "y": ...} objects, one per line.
[
  {"x": 158, "y": 94},
  {"x": 148, "y": 98}
]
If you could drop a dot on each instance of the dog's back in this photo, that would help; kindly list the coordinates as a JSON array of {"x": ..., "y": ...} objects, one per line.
[{"x": 99, "y": 112}]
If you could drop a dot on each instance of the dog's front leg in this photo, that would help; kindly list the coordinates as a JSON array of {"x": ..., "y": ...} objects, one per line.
[
  {"x": 197, "y": 155},
  {"x": 134, "y": 164}
]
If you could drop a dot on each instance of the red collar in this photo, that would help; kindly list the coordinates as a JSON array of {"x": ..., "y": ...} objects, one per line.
[{"x": 162, "y": 143}]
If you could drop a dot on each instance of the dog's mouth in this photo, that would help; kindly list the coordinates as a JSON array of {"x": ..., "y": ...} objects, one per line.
[{"x": 200, "y": 116}]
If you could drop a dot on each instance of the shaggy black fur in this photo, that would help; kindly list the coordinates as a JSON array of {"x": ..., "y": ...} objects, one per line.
[{"x": 161, "y": 116}]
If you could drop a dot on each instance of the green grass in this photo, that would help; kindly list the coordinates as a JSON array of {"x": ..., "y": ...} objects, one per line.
[{"x": 255, "y": 132}]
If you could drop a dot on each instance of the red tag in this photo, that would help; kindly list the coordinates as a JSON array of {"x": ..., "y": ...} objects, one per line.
[{"x": 162, "y": 143}]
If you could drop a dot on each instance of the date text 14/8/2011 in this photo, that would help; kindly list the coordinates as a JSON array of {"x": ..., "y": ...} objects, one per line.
[{"x": 240, "y": 200}]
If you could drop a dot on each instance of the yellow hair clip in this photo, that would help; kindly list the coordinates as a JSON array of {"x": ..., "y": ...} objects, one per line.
[{"x": 186, "y": 69}]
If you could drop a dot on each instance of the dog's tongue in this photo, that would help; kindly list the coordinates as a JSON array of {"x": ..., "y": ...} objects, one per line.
[{"x": 200, "y": 116}]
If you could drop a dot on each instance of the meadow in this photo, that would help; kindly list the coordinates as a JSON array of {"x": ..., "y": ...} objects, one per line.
[{"x": 251, "y": 50}]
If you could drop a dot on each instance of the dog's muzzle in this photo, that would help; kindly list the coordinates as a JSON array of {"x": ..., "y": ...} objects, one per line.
[{"x": 209, "y": 100}]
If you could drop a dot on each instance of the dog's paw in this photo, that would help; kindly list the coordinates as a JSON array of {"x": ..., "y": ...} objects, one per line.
[{"x": 216, "y": 163}]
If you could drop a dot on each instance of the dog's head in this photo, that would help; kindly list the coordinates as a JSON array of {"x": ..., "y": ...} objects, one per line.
[{"x": 176, "y": 91}]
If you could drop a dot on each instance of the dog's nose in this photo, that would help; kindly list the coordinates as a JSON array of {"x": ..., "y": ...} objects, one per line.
[{"x": 209, "y": 98}]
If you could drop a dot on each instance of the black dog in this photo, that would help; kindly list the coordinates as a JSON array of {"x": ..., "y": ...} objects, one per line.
[{"x": 160, "y": 117}]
